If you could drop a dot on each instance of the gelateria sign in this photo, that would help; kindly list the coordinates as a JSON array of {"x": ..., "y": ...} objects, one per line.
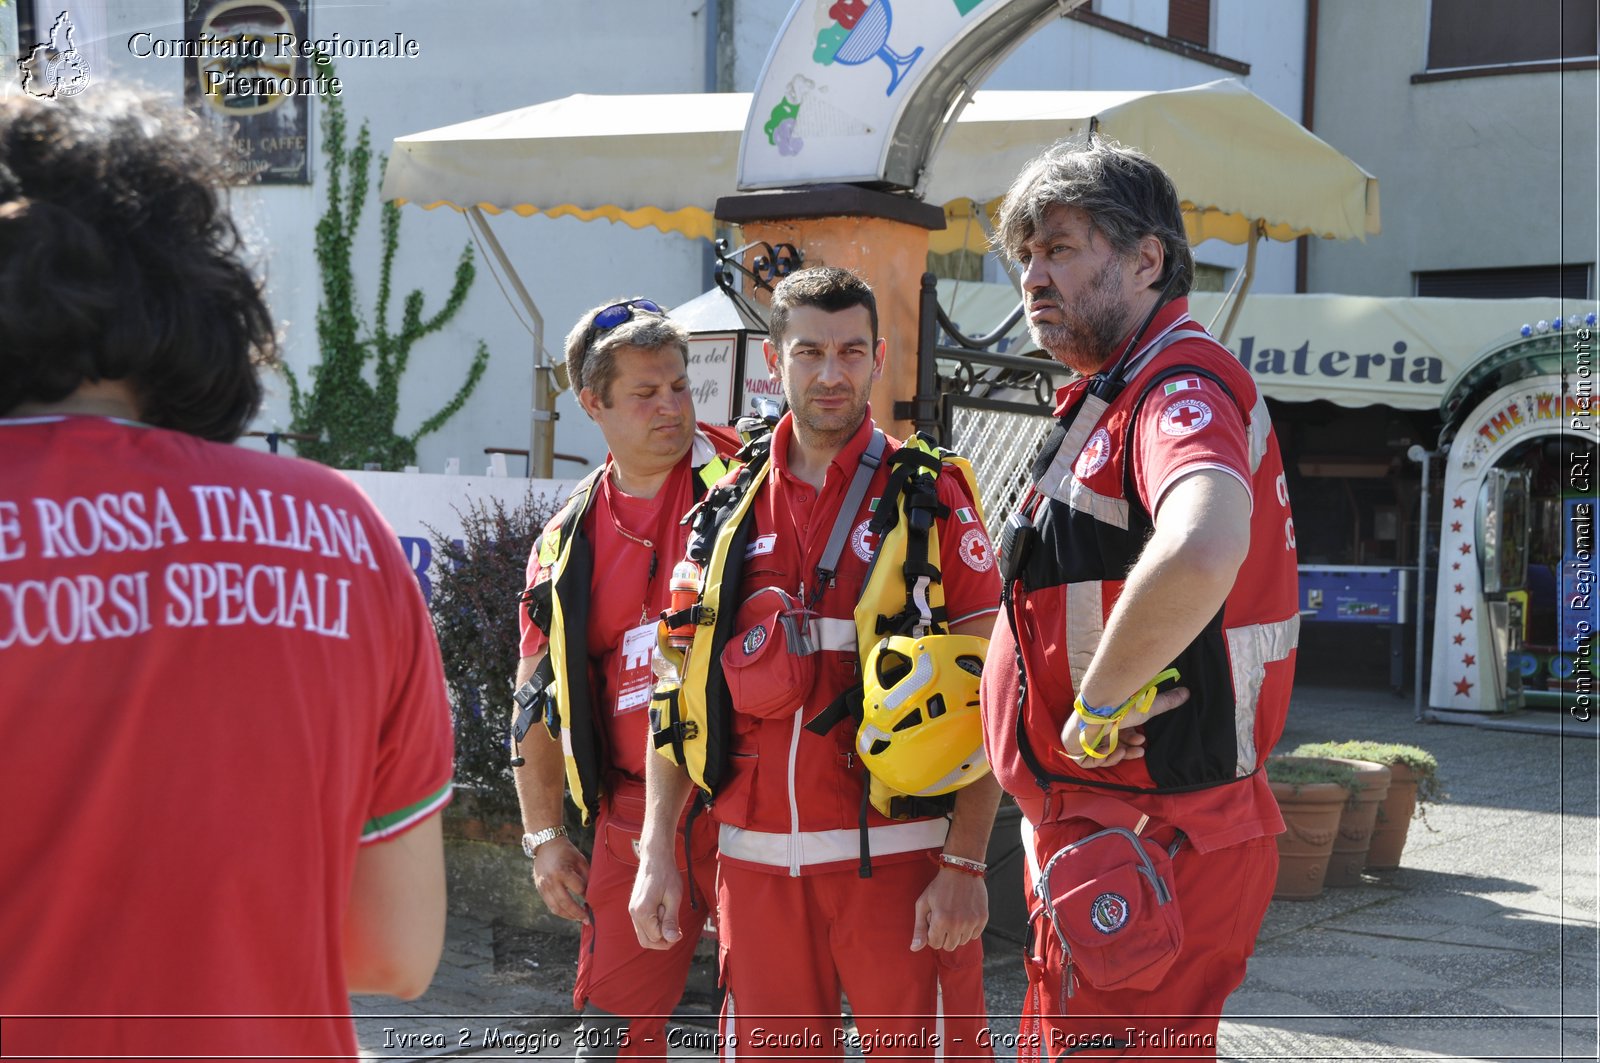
[
  {"x": 1363, "y": 351},
  {"x": 1348, "y": 349}
]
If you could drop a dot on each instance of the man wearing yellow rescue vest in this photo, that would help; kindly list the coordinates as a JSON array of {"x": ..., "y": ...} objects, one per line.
[
  {"x": 888, "y": 911},
  {"x": 598, "y": 580}
]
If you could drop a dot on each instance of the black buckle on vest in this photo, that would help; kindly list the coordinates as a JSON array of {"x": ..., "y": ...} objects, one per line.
[
  {"x": 696, "y": 614},
  {"x": 536, "y": 600},
  {"x": 847, "y": 706},
  {"x": 907, "y": 620},
  {"x": 667, "y": 727},
  {"x": 528, "y": 698}
]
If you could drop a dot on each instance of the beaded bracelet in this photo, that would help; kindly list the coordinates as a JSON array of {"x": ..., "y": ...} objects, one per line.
[
  {"x": 1106, "y": 720},
  {"x": 975, "y": 868}
]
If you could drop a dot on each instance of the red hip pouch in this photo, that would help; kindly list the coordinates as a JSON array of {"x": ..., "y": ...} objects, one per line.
[{"x": 1106, "y": 900}]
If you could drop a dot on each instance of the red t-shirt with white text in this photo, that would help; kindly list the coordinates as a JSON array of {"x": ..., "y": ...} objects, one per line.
[{"x": 220, "y": 679}]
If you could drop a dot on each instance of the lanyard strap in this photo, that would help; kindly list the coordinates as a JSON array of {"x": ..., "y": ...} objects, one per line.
[{"x": 828, "y": 565}]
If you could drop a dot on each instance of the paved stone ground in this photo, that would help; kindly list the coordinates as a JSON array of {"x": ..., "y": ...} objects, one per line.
[{"x": 1482, "y": 947}]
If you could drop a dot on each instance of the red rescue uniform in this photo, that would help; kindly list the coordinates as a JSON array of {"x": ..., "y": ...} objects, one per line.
[
  {"x": 634, "y": 542},
  {"x": 791, "y": 803},
  {"x": 1094, "y": 506}
]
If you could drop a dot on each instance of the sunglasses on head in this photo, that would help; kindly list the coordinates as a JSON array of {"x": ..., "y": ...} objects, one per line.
[{"x": 617, "y": 313}]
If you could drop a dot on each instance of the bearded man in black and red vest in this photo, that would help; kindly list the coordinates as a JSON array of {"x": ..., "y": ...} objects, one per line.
[{"x": 1141, "y": 672}]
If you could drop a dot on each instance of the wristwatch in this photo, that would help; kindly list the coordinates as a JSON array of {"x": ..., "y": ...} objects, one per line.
[{"x": 531, "y": 842}]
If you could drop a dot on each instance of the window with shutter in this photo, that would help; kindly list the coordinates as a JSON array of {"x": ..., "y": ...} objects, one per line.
[
  {"x": 1478, "y": 33},
  {"x": 1571, "y": 281},
  {"x": 1190, "y": 20}
]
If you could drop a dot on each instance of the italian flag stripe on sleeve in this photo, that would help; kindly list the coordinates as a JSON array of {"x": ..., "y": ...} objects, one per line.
[
  {"x": 381, "y": 827},
  {"x": 966, "y": 516},
  {"x": 1186, "y": 384}
]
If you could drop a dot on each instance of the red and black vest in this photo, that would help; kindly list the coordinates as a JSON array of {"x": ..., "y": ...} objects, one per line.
[{"x": 1066, "y": 554}]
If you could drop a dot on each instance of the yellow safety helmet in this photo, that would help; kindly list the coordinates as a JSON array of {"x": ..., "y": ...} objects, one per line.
[{"x": 920, "y": 731}]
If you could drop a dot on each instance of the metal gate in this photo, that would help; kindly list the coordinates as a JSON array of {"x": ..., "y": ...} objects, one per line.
[{"x": 994, "y": 409}]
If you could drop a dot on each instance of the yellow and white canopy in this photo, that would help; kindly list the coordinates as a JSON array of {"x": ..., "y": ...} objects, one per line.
[{"x": 662, "y": 161}]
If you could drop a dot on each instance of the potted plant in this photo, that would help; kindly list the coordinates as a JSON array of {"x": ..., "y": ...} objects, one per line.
[
  {"x": 1356, "y": 821},
  {"x": 476, "y": 582},
  {"x": 1414, "y": 781},
  {"x": 1311, "y": 792}
]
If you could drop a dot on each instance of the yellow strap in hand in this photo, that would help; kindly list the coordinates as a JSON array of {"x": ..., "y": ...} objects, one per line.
[{"x": 1106, "y": 725}]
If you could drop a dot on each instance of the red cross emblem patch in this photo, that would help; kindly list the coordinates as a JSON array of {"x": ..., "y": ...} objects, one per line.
[
  {"x": 975, "y": 550},
  {"x": 1184, "y": 417},
  {"x": 1094, "y": 454}
]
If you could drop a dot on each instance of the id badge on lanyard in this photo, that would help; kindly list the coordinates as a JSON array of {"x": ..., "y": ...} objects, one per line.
[{"x": 635, "y": 681}]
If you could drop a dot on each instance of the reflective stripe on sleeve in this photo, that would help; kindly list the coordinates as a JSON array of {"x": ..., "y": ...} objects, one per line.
[
  {"x": 957, "y": 621},
  {"x": 1250, "y": 650},
  {"x": 1177, "y": 475}
]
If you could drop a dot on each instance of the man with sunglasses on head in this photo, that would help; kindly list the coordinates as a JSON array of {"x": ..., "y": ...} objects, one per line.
[
  {"x": 1154, "y": 549},
  {"x": 598, "y": 580}
]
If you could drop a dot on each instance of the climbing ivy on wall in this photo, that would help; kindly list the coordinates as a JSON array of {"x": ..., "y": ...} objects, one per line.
[{"x": 354, "y": 395}]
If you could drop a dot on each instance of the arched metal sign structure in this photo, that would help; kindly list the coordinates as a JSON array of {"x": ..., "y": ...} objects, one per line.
[{"x": 859, "y": 91}]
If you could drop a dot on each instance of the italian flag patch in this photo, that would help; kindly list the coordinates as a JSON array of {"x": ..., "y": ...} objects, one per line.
[
  {"x": 1186, "y": 384},
  {"x": 872, "y": 507},
  {"x": 966, "y": 516}
]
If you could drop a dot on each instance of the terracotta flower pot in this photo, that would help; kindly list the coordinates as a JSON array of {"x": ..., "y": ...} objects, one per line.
[
  {"x": 1311, "y": 817},
  {"x": 1394, "y": 818},
  {"x": 1414, "y": 781},
  {"x": 1356, "y": 821}
]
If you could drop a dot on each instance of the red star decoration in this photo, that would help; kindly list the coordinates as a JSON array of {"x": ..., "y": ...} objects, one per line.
[
  {"x": 1464, "y": 614},
  {"x": 1455, "y": 525},
  {"x": 1459, "y": 639},
  {"x": 1469, "y": 660},
  {"x": 1457, "y": 503},
  {"x": 1463, "y": 688},
  {"x": 1466, "y": 548},
  {"x": 1458, "y": 588},
  {"x": 1455, "y": 565}
]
